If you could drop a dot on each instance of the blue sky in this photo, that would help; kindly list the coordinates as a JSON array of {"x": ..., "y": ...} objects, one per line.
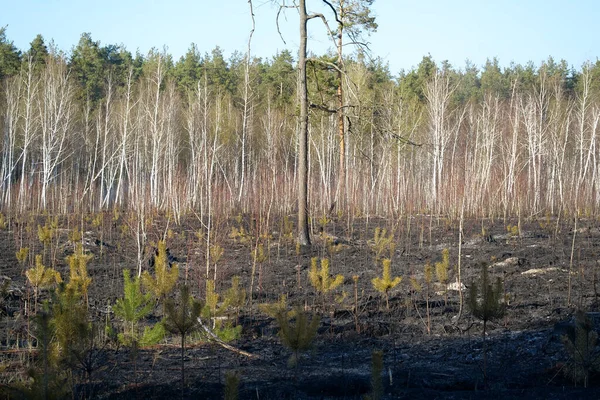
[{"x": 457, "y": 30}]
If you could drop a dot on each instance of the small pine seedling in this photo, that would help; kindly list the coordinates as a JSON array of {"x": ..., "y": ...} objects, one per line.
[
  {"x": 382, "y": 243},
  {"x": 298, "y": 336},
  {"x": 41, "y": 277},
  {"x": 182, "y": 319},
  {"x": 581, "y": 343},
  {"x": 320, "y": 278},
  {"x": 376, "y": 370},
  {"x": 441, "y": 272},
  {"x": 164, "y": 278},
  {"x": 132, "y": 308},
  {"x": 79, "y": 279},
  {"x": 386, "y": 283},
  {"x": 232, "y": 386},
  {"x": 485, "y": 303}
]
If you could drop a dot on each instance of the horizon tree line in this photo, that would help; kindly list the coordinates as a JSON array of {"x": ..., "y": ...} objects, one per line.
[{"x": 99, "y": 128}]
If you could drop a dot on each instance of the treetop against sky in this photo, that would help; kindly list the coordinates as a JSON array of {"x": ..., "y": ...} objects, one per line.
[{"x": 514, "y": 30}]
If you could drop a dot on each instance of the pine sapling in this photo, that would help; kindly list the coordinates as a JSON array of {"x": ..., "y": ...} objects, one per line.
[
  {"x": 41, "y": 277},
  {"x": 486, "y": 303},
  {"x": 133, "y": 307},
  {"x": 581, "y": 343},
  {"x": 22, "y": 255},
  {"x": 298, "y": 335},
  {"x": 428, "y": 281},
  {"x": 383, "y": 243},
  {"x": 233, "y": 300},
  {"x": 441, "y": 272},
  {"x": 385, "y": 283},
  {"x": 320, "y": 278},
  {"x": 232, "y": 386},
  {"x": 79, "y": 279},
  {"x": 376, "y": 370},
  {"x": 182, "y": 319},
  {"x": 165, "y": 276}
]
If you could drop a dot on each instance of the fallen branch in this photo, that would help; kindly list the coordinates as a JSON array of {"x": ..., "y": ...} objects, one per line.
[{"x": 220, "y": 342}]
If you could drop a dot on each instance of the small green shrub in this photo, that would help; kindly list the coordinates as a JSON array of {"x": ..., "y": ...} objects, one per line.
[{"x": 297, "y": 333}]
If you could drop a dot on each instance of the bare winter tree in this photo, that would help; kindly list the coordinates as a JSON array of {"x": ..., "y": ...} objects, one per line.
[{"x": 55, "y": 107}]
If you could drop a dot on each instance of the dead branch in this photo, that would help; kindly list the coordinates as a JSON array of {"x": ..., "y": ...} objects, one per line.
[{"x": 220, "y": 342}]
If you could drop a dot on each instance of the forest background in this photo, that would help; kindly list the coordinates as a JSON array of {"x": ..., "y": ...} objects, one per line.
[{"x": 99, "y": 127}]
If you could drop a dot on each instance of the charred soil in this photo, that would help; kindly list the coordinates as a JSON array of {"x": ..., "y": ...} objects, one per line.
[{"x": 432, "y": 348}]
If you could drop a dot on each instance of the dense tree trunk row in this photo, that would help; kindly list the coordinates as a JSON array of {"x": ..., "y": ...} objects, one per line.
[{"x": 149, "y": 142}]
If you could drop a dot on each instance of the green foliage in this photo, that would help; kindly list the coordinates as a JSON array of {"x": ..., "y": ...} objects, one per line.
[
  {"x": 216, "y": 253},
  {"x": 48, "y": 379},
  {"x": 38, "y": 51},
  {"x": 581, "y": 343},
  {"x": 133, "y": 307},
  {"x": 41, "y": 277},
  {"x": 75, "y": 236},
  {"x": 441, "y": 272},
  {"x": 70, "y": 324},
  {"x": 485, "y": 300},
  {"x": 441, "y": 268},
  {"x": 297, "y": 333},
  {"x": 258, "y": 254},
  {"x": 79, "y": 280},
  {"x": 376, "y": 370},
  {"x": 274, "y": 309},
  {"x": 232, "y": 386},
  {"x": 320, "y": 278},
  {"x": 3, "y": 223},
  {"x": 165, "y": 277},
  {"x": 382, "y": 243},
  {"x": 10, "y": 57},
  {"x": 235, "y": 296},
  {"x": 151, "y": 335},
  {"x": 22, "y": 255},
  {"x": 385, "y": 283},
  {"x": 287, "y": 227},
  {"x": 182, "y": 319},
  {"x": 513, "y": 230},
  {"x": 223, "y": 321},
  {"x": 46, "y": 232}
]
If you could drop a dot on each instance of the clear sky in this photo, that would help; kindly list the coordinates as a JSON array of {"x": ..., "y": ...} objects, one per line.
[{"x": 453, "y": 30}]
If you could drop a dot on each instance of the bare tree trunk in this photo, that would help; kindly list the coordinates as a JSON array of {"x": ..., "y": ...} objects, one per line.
[
  {"x": 246, "y": 111},
  {"x": 303, "y": 233},
  {"x": 341, "y": 189}
]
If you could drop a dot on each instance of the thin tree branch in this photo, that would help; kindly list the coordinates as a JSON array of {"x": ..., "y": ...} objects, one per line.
[{"x": 334, "y": 12}]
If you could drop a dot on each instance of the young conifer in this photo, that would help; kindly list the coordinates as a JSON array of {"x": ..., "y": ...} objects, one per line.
[
  {"x": 165, "y": 277},
  {"x": 386, "y": 283},
  {"x": 441, "y": 271},
  {"x": 298, "y": 336},
  {"x": 383, "y": 243},
  {"x": 232, "y": 386},
  {"x": 221, "y": 314},
  {"x": 182, "y": 319},
  {"x": 133, "y": 307},
  {"x": 41, "y": 277},
  {"x": 320, "y": 278},
  {"x": 485, "y": 303},
  {"x": 79, "y": 280},
  {"x": 376, "y": 370},
  {"x": 581, "y": 343}
]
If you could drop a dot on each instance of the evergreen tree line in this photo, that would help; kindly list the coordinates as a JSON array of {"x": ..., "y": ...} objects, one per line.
[{"x": 99, "y": 127}]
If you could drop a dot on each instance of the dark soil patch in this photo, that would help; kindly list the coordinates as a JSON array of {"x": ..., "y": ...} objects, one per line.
[{"x": 526, "y": 358}]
